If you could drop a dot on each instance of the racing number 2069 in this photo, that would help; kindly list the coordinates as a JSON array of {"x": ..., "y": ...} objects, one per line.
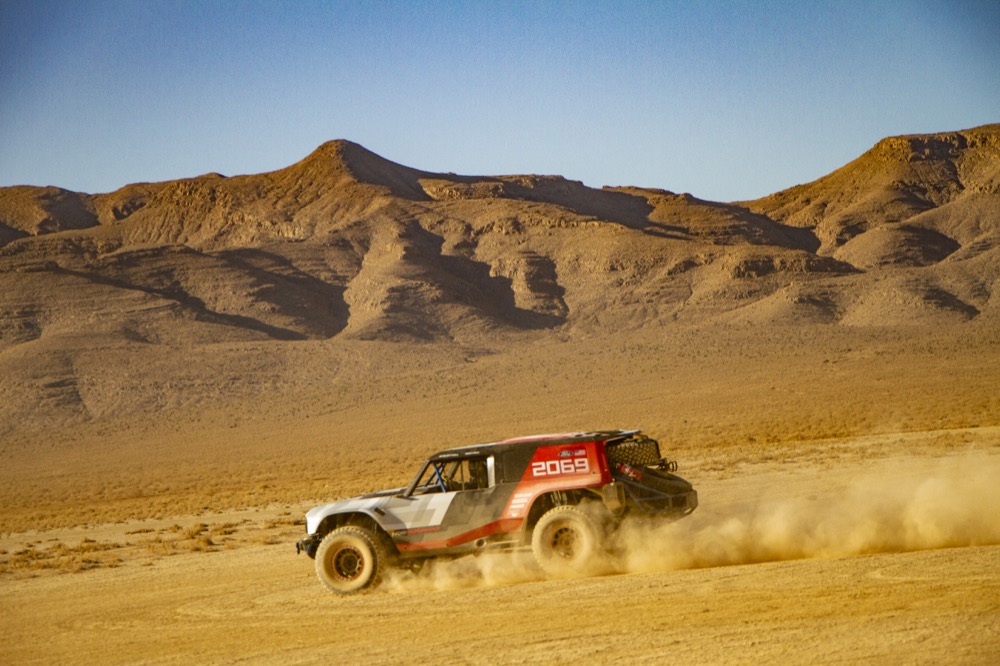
[{"x": 561, "y": 466}]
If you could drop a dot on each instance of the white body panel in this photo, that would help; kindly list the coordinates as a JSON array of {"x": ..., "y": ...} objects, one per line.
[{"x": 394, "y": 512}]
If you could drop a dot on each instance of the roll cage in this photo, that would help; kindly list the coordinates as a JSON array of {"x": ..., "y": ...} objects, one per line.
[{"x": 450, "y": 472}]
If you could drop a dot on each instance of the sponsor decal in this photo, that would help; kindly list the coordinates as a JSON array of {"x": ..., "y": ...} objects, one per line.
[
  {"x": 424, "y": 530},
  {"x": 518, "y": 503}
]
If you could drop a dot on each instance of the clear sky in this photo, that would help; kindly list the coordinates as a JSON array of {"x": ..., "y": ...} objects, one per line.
[{"x": 725, "y": 100}]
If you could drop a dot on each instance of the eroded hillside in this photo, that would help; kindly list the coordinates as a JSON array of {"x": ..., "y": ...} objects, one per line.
[{"x": 346, "y": 245}]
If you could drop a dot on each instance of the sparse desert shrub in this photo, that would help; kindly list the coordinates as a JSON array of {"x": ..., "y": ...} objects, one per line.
[
  {"x": 88, "y": 554},
  {"x": 159, "y": 546},
  {"x": 266, "y": 539},
  {"x": 225, "y": 529},
  {"x": 281, "y": 522},
  {"x": 142, "y": 530},
  {"x": 195, "y": 531},
  {"x": 201, "y": 543}
]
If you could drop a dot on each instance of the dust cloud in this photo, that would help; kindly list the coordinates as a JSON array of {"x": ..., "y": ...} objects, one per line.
[
  {"x": 486, "y": 570},
  {"x": 956, "y": 505}
]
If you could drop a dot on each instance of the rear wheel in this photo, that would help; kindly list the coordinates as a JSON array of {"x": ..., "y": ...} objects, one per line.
[
  {"x": 567, "y": 542},
  {"x": 350, "y": 559}
]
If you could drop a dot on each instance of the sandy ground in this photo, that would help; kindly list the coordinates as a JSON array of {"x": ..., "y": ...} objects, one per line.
[
  {"x": 832, "y": 559},
  {"x": 849, "y": 505}
]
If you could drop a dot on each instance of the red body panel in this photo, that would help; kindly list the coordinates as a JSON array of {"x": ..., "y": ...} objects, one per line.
[{"x": 558, "y": 467}]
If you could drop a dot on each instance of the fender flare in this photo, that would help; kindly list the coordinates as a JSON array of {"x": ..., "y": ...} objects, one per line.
[{"x": 361, "y": 517}]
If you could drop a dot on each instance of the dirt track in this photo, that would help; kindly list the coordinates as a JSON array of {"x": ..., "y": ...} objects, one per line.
[{"x": 258, "y": 602}]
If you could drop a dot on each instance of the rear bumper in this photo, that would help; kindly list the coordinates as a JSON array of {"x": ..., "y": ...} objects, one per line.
[
  {"x": 691, "y": 502},
  {"x": 653, "y": 500}
]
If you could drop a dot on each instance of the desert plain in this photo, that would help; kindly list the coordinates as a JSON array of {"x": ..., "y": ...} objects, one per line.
[{"x": 186, "y": 367}]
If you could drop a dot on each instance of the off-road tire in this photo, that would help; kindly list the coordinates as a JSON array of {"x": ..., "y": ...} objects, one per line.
[
  {"x": 351, "y": 559},
  {"x": 567, "y": 543}
]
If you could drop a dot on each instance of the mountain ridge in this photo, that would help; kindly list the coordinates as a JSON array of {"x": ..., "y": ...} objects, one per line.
[
  {"x": 347, "y": 247},
  {"x": 898, "y": 179}
]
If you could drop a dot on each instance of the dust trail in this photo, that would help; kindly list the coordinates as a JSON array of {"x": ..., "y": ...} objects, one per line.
[
  {"x": 957, "y": 504},
  {"x": 487, "y": 570}
]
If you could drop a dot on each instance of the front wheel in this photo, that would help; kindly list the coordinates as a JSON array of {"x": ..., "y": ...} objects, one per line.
[
  {"x": 350, "y": 559},
  {"x": 567, "y": 542}
]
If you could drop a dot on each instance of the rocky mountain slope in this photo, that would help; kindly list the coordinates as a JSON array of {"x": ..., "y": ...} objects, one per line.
[{"x": 160, "y": 280}]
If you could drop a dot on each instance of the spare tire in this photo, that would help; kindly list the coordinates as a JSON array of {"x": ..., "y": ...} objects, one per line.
[{"x": 664, "y": 481}]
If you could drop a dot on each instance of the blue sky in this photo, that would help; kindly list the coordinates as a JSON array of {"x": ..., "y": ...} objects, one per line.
[{"x": 726, "y": 100}]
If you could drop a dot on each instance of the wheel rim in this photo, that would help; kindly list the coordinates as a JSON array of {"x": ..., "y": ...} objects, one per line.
[
  {"x": 564, "y": 542},
  {"x": 348, "y": 563}
]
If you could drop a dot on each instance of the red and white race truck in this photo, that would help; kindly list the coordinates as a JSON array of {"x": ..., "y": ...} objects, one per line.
[{"x": 561, "y": 495}]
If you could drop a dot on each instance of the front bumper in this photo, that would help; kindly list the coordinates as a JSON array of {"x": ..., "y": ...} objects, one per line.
[{"x": 308, "y": 545}]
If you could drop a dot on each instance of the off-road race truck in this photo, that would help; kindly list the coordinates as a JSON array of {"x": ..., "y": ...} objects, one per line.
[{"x": 563, "y": 496}]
